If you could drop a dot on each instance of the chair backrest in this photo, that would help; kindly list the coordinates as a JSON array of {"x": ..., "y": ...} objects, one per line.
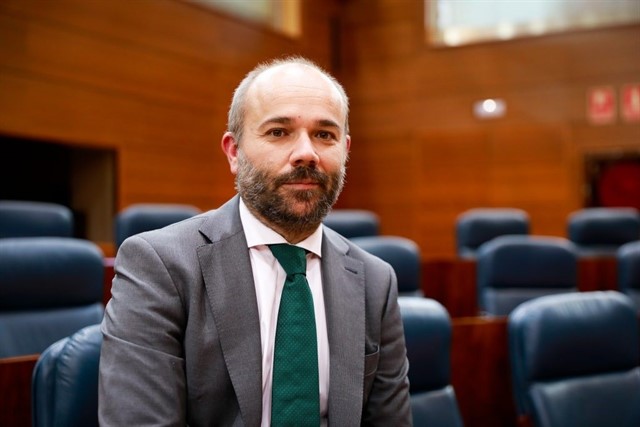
[
  {"x": 50, "y": 287},
  {"x": 514, "y": 269},
  {"x": 427, "y": 331},
  {"x": 628, "y": 259},
  {"x": 65, "y": 381},
  {"x": 600, "y": 231},
  {"x": 149, "y": 216},
  {"x": 477, "y": 226},
  {"x": 575, "y": 360},
  {"x": 404, "y": 256},
  {"x": 34, "y": 219},
  {"x": 353, "y": 222}
]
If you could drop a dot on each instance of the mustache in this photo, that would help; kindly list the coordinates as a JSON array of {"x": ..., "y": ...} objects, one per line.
[{"x": 303, "y": 173}]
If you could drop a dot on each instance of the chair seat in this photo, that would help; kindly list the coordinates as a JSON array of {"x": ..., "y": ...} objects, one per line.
[
  {"x": 436, "y": 408},
  {"x": 590, "y": 401},
  {"x": 35, "y": 219},
  {"x": 479, "y": 225},
  {"x": 143, "y": 217},
  {"x": 599, "y": 232},
  {"x": 32, "y": 332},
  {"x": 427, "y": 331},
  {"x": 50, "y": 287},
  {"x": 353, "y": 222},
  {"x": 575, "y": 360},
  {"x": 517, "y": 268},
  {"x": 402, "y": 254},
  {"x": 65, "y": 381}
]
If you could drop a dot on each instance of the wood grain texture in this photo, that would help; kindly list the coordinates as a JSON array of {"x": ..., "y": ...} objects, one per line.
[
  {"x": 15, "y": 390},
  {"x": 481, "y": 376},
  {"x": 152, "y": 80},
  {"x": 532, "y": 158}
]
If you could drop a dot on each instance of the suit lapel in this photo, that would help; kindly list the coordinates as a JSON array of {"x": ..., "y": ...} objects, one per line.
[
  {"x": 228, "y": 278},
  {"x": 344, "y": 294}
]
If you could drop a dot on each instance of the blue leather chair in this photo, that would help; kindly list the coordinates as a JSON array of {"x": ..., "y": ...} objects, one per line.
[
  {"x": 35, "y": 219},
  {"x": 477, "y": 226},
  {"x": 149, "y": 216},
  {"x": 353, "y": 222},
  {"x": 427, "y": 331},
  {"x": 404, "y": 256},
  {"x": 513, "y": 269},
  {"x": 599, "y": 232},
  {"x": 65, "y": 381},
  {"x": 628, "y": 259},
  {"x": 575, "y": 360},
  {"x": 50, "y": 287}
]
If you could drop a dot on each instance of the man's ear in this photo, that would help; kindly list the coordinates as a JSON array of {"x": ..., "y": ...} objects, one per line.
[
  {"x": 348, "y": 141},
  {"x": 230, "y": 149}
]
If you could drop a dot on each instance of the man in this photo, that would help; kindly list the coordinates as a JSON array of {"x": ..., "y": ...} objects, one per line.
[{"x": 190, "y": 332}]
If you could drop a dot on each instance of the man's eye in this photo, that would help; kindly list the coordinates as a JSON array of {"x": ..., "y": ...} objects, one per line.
[
  {"x": 325, "y": 135},
  {"x": 276, "y": 132}
]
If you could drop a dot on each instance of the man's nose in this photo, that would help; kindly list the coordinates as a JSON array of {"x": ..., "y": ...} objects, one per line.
[{"x": 304, "y": 152}]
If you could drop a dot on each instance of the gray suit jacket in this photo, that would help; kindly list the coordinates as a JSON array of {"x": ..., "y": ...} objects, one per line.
[{"x": 182, "y": 336}]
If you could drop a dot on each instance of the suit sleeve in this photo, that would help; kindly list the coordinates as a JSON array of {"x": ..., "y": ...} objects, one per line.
[
  {"x": 388, "y": 403},
  {"x": 142, "y": 373}
]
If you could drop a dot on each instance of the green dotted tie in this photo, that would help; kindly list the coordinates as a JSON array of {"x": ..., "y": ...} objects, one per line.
[{"x": 295, "y": 391}]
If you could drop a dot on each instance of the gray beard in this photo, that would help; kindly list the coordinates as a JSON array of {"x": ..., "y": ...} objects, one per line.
[{"x": 260, "y": 192}]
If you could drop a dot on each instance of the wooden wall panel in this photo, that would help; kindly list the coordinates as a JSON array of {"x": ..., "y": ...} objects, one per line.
[
  {"x": 149, "y": 79},
  {"x": 387, "y": 192},
  {"x": 532, "y": 158},
  {"x": 152, "y": 80}
]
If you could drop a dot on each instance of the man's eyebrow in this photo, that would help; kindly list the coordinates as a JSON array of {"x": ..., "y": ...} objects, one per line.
[
  {"x": 276, "y": 120},
  {"x": 328, "y": 123},
  {"x": 283, "y": 120}
]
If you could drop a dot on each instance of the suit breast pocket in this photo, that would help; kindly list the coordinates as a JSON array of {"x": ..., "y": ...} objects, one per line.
[
  {"x": 371, "y": 362},
  {"x": 370, "y": 369}
]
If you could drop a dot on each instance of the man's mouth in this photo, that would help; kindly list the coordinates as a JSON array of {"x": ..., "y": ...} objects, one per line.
[{"x": 302, "y": 184}]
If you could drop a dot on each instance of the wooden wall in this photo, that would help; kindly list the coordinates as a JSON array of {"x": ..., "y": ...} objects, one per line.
[
  {"x": 152, "y": 79},
  {"x": 419, "y": 157}
]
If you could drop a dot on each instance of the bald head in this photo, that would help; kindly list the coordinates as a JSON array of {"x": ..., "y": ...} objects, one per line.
[{"x": 292, "y": 72}]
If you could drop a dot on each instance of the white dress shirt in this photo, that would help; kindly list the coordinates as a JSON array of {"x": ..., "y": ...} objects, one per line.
[{"x": 269, "y": 278}]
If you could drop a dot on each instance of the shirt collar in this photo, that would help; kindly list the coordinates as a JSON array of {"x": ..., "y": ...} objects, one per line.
[{"x": 258, "y": 234}]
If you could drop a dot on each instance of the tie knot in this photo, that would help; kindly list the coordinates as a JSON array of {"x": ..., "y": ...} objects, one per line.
[{"x": 293, "y": 259}]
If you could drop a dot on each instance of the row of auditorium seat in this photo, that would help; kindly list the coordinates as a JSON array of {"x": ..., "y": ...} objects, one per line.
[
  {"x": 24, "y": 219},
  {"x": 446, "y": 397},
  {"x": 511, "y": 268},
  {"x": 41, "y": 219},
  {"x": 594, "y": 231},
  {"x": 513, "y": 265},
  {"x": 574, "y": 360}
]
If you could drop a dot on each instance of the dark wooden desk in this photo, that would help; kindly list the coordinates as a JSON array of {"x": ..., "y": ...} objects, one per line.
[
  {"x": 108, "y": 277},
  {"x": 598, "y": 274},
  {"x": 452, "y": 281},
  {"x": 15, "y": 390},
  {"x": 480, "y": 371}
]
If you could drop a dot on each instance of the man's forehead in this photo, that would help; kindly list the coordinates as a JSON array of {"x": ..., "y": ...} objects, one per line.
[
  {"x": 293, "y": 84},
  {"x": 293, "y": 75}
]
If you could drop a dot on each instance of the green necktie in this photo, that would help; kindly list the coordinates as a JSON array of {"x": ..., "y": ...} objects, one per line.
[{"x": 295, "y": 392}]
